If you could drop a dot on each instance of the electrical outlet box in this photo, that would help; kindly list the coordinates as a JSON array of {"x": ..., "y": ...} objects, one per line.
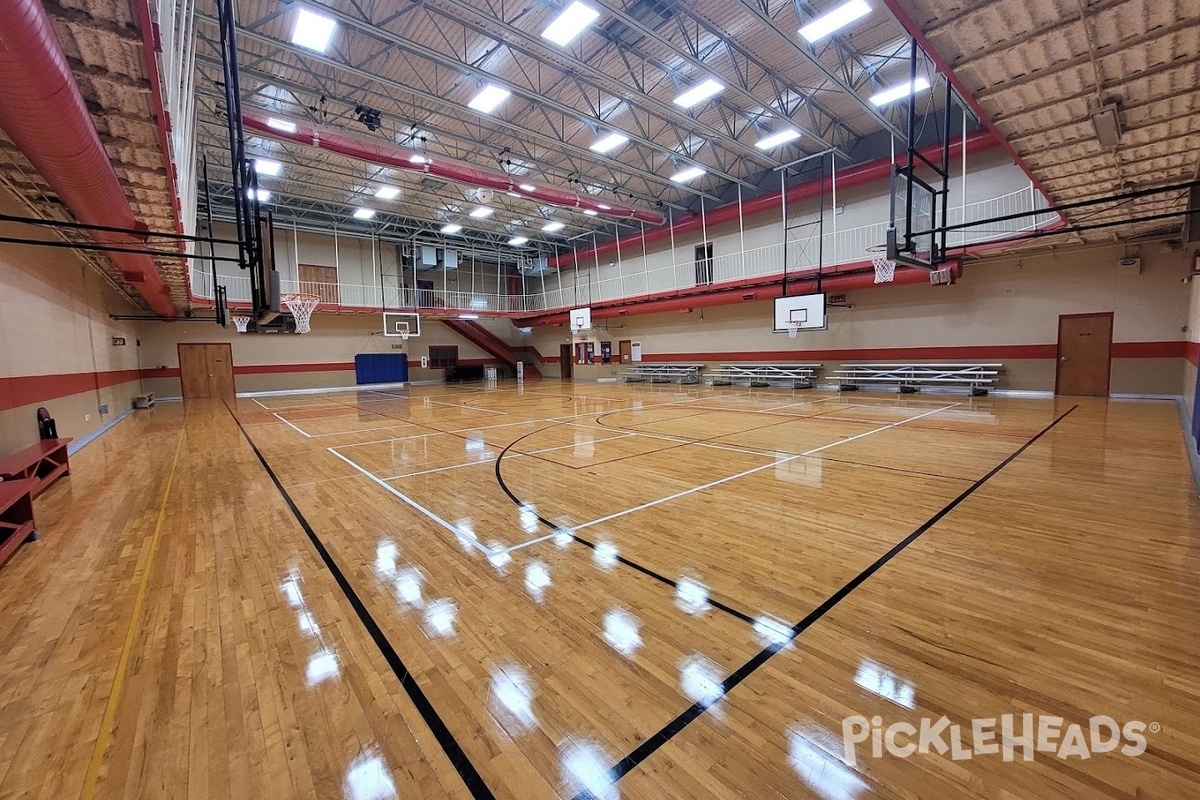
[
  {"x": 104, "y": 408},
  {"x": 87, "y": 417}
]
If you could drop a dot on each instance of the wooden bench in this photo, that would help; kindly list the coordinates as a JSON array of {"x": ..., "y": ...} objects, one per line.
[
  {"x": 44, "y": 462},
  {"x": 663, "y": 373},
  {"x": 908, "y": 378},
  {"x": 797, "y": 376},
  {"x": 16, "y": 516}
]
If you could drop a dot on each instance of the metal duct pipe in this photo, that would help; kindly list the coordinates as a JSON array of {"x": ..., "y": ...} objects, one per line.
[
  {"x": 43, "y": 112},
  {"x": 835, "y": 283},
  {"x": 386, "y": 154},
  {"x": 847, "y": 179}
]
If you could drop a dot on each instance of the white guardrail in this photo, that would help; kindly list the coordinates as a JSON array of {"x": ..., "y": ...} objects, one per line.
[{"x": 840, "y": 247}]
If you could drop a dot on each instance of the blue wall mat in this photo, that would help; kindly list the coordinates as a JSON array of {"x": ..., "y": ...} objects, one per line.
[
  {"x": 380, "y": 368},
  {"x": 1196, "y": 414}
]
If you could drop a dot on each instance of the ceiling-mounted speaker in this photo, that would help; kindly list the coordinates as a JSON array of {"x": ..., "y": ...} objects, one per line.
[{"x": 1131, "y": 262}]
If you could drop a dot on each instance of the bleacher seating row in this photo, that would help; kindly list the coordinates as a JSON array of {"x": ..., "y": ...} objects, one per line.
[
  {"x": 908, "y": 378},
  {"x": 795, "y": 376},
  {"x": 663, "y": 373}
]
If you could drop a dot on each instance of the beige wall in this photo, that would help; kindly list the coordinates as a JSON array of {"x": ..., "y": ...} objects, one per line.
[
  {"x": 56, "y": 341},
  {"x": 999, "y": 303},
  {"x": 261, "y": 360}
]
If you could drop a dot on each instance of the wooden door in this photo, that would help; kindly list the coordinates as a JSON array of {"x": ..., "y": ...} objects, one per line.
[
  {"x": 1084, "y": 348},
  {"x": 321, "y": 281},
  {"x": 564, "y": 361},
  {"x": 625, "y": 348},
  {"x": 206, "y": 370}
]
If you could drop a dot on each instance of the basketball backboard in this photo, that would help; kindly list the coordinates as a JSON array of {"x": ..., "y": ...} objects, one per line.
[
  {"x": 805, "y": 312},
  {"x": 581, "y": 319},
  {"x": 910, "y": 239},
  {"x": 402, "y": 324}
]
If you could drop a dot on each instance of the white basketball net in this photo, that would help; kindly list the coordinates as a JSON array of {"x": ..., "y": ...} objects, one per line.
[
  {"x": 301, "y": 306},
  {"x": 793, "y": 329},
  {"x": 885, "y": 269},
  {"x": 241, "y": 323}
]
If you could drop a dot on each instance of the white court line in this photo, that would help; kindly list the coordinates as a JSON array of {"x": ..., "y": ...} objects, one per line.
[
  {"x": 733, "y": 448},
  {"x": 458, "y": 534},
  {"x": 290, "y": 425},
  {"x": 511, "y": 455},
  {"x": 255, "y": 399},
  {"x": 720, "y": 481},
  {"x": 805, "y": 403}
]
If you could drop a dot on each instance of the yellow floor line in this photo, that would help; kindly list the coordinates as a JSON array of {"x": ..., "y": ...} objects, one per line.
[{"x": 108, "y": 723}]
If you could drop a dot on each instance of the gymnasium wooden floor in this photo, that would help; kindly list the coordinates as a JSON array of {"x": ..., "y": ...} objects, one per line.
[{"x": 602, "y": 591}]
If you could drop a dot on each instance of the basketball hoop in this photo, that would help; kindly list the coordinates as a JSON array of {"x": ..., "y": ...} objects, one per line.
[
  {"x": 241, "y": 323},
  {"x": 301, "y": 305},
  {"x": 793, "y": 329},
  {"x": 885, "y": 268}
]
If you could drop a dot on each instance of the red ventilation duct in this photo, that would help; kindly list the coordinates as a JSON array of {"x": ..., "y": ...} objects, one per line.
[
  {"x": 846, "y": 179},
  {"x": 838, "y": 282},
  {"x": 44, "y": 114},
  {"x": 377, "y": 151}
]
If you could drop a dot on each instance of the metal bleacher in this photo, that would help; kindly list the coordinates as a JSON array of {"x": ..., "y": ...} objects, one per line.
[
  {"x": 663, "y": 373},
  {"x": 978, "y": 378},
  {"x": 795, "y": 376}
]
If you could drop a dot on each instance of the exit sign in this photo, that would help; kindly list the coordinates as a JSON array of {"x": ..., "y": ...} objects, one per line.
[{"x": 837, "y": 299}]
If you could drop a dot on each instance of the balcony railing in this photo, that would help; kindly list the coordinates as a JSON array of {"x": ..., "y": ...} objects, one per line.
[{"x": 629, "y": 277}]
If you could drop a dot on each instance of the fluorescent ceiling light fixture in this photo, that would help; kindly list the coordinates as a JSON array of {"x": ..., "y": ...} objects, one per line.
[
  {"x": 685, "y": 175},
  {"x": 776, "y": 139},
  {"x": 418, "y": 160},
  {"x": 517, "y": 241},
  {"x": 263, "y": 195},
  {"x": 488, "y": 99},
  {"x": 570, "y": 23},
  {"x": 551, "y": 227},
  {"x": 281, "y": 125},
  {"x": 265, "y": 166},
  {"x": 387, "y": 193},
  {"x": 527, "y": 187},
  {"x": 698, "y": 93},
  {"x": 896, "y": 92},
  {"x": 468, "y": 316},
  {"x": 483, "y": 212},
  {"x": 835, "y": 20},
  {"x": 590, "y": 212},
  {"x": 313, "y": 30},
  {"x": 610, "y": 142},
  {"x": 451, "y": 227},
  {"x": 513, "y": 194},
  {"x": 604, "y": 206},
  {"x": 364, "y": 213}
]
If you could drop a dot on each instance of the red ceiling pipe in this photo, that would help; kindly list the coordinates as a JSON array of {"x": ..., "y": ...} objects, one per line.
[
  {"x": 383, "y": 153},
  {"x": 841, "y": 282},
  {"x": 43, "y": 112},
  {"x": 846, "y": 179}
]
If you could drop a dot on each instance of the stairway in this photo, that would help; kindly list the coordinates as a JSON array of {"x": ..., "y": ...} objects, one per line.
[{"x": 492, "y": 344}]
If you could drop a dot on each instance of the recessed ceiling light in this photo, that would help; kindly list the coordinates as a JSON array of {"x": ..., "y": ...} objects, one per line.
[
  {"x": 364, "y": 213},
  {"x": 835, "y": 20},
  {"x": 691, "y": 173},
  {"x": 263, "y": 195},
  {"x": 418, "y": 160},
  {"x": 590, "y": 212},
  {"x": 468, "y": 316},
  {"x": 896, "y": 92},
  {"x": 265, "y": 166},
  {"x": 570, "y": 23},
  {"x": 527, "y": 187},
  {"x": 387, "y": 193},
  {"x": 696, "y": 94},
  {"x": 452, "y": 227},
  {"x": 281, "y": 125},
  {"x": 483, "y": 212},
  {"x": 517, "y": 241},
  {"x": 488, "y": 99},
  {"x": 776, "y": 139},
  {"x": 551, "y": 227},
  {"x": 312, "y": 30},
  {"x": 610, "y": 142}
]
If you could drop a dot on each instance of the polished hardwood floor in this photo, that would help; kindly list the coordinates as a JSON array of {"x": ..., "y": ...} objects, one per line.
[{"x": 610, "y": 591}]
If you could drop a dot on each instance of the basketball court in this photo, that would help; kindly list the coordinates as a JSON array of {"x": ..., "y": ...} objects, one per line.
[{"x": 611, "y": 400}]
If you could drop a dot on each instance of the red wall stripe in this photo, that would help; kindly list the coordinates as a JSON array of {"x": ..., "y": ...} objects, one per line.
[
  {"x": 1192, "y": 353},
  {"x": 29, "y": 390}
]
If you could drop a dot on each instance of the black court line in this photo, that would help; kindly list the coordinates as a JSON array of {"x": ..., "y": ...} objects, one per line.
[
  {"x": 694, "y": 712},
  {"x": 450, "y": 746},
  {"x": 717, "y": 604}
]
